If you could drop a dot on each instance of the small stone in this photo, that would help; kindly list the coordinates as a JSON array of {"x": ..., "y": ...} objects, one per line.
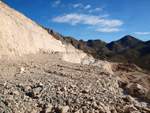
[
  {"x": 79, "y": 111},
  {"x": 32, "y": 94},
  {"x": 129, "y": 108},
  {"x": 69, "y": 101},
  {"x": 48, "y": 110},
  {"x": 37, "y": 90},
  {"x": 142, "y": 92},
  {"x": 63, "y": 109},
  {"x": 113, "y": 110},
  {"x": 119, "y": 110},
  {"x": 130, "y": 99},
  {"x": 63, "y": 89},
  {"x": 143, "y": 104},
  {"x": 147, "y": 109},
  {"x": 34, "y": 111},
  {"x": 3, "y": 83},
  {"x": 95, "y": 105},
  {"x": 27, "y": 88},
  {"x": 91, "y": 98},
  {"x": 34, "y": 105},
  {"x": 72, "y": 86},
  {"x": 14, "y": 110},
  {"x": 24, "y": 97},
  {"x": 107, "y": 109},
  {"x": 10, "y": 101},
  {"x": 22, "y": 70},
  {"x": 98, "y": 111},
  {"x": 91, "y": 111},
  {"x": 59, "y": 92},
  {"x": 101, "y": 109},
  {"x": 40, "y": 84},
  {"x": 85, "y": 91},
  {"x": 15, "y": 93}
]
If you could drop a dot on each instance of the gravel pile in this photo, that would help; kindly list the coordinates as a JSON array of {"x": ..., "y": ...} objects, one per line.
[{"x": 46, "y": 84}]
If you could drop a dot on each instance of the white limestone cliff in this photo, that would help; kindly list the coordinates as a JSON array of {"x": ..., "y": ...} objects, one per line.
[{"x": 19, "y": 35}]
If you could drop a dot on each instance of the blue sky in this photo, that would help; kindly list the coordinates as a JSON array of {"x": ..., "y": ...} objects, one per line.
[{"x": 107, "y": 20}]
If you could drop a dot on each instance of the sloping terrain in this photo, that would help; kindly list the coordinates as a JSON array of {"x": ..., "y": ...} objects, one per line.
[{"x": 44, "y": 83}]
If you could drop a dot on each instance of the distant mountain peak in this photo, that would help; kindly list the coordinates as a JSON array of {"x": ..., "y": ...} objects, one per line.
[
  {"x": 129, "y": 37},
  {"x": 128, "y": 41}
]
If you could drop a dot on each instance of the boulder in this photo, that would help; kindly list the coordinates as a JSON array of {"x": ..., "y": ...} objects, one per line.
[{"x": 136, "y": 89}]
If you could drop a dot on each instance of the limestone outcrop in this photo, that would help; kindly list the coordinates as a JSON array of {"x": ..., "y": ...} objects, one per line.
[{"x": 19, "y": 35}]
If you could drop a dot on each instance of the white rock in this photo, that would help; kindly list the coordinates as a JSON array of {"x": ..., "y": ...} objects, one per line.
[
  {"x": 22, "y": 69},
  {"x": 48, "y": 110},
  {"x": 15, "y": 93},
  {"x": 73, "y": 86},
  {"x": 3, "y": 83},
  {"x": 63, "y": 109},
  {"x": 130, "y": 99},
  {"x": 40, "y": 84}
]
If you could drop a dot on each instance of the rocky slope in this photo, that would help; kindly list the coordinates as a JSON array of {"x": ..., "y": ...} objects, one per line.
[
  {"x": 19, "y": 35},
  {"x": 133, "y": 79},
  {"x": 45, "y": 84}
]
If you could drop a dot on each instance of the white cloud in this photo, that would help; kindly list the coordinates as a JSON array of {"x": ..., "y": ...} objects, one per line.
[
  {"x": 87, "y": 7},
  {"x": 56, "y": 3},
  {"x": 98, "y": 22},
  {"x": 77, "y": 5},
  {"x": 96, "y": 10},
  {"x": 142, "y": 33},
  {"x": 109, "y": 29},
  {"x": 74, "y": 19}
]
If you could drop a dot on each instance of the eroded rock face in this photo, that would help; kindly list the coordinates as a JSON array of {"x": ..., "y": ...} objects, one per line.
[{"x": 19, "y": 35}]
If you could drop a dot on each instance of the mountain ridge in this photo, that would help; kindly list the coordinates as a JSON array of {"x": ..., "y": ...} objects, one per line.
[{"x": 128, "y": 49}]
